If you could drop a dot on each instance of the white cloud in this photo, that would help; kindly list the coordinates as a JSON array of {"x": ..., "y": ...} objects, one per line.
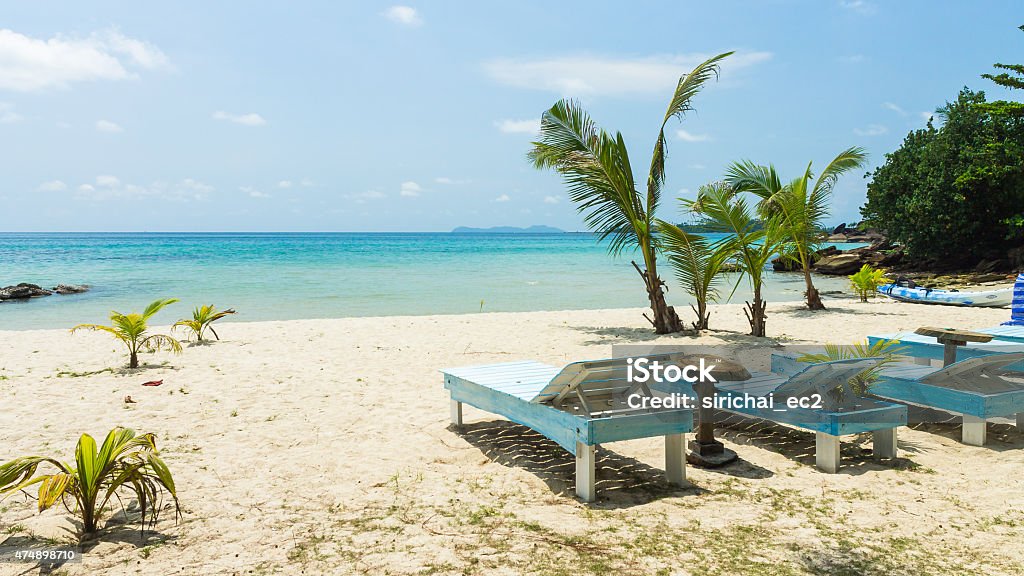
[
  {"x": 108, "y": 126},
  {"x": 502, "y": 198},
  {"x": 410, "y": 189},
  {"x": 530, "y": 126},
  {"x": 894, "y": 107},
  {"x": 871, "y": 130},
  {"x": 859, "y": 6},
  {"x": 552, "y": 199},
  {"x": 253, "y": 193},
  {"x": 250, "y": 119},
  {"x": 405, "y": 15},
  {"x": 590, "y": 75},
  {"x": 7, "y": 113},
  {"x": 364, "y": 197},
  {"x": 52, "y": 186},
  {"x": 31, "y": 64},
  {"x": 108, "y": 181},
  {"x": 284, "y": 184},
  {"x": 108, "y": 187},
  {"x": 689, "y": 137}
]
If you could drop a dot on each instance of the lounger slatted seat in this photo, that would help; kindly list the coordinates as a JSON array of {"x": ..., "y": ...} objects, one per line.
[
  {"x": 1006, "y": 333},
  {"x": 830, "y": 421},
  {"x": 578, "y": 407},
  {"x": 976, "y": 388}
]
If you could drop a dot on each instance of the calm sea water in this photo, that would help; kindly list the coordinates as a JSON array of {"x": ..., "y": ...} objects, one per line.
[{"x": 289, "y": 276}]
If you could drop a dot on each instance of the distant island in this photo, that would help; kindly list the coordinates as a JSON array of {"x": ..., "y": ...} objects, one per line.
[{"x": 508, "y": 230}]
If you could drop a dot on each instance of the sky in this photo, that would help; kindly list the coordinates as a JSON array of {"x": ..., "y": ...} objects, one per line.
[{"x": 376, "y": 116}]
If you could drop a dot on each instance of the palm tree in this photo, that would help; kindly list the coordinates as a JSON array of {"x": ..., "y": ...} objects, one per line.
[
  {"x": 596, "y": 167},
  {"x": 752, "y": 242},
  {"x": 801, "y": 206},
  {"x": 202, "y": 320},
  {"x": 697, "y": 264},
  {"x": 131, "y": 328}
]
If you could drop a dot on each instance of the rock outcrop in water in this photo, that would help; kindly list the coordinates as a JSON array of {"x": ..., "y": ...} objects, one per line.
[{"x": 24, "y": 291}]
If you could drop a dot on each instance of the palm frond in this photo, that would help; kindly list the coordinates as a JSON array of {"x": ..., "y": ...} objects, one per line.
[
  {"x": 849, "y": 159},
  {"x": 688, "y": 87}
]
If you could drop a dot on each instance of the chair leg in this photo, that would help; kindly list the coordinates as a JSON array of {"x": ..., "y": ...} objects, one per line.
[
  {"x": 585, "y": 467},
  {"x": 456, "y": 410},
  {"x": 883, "y": 443},
  {"x": 974, "y": 430},
  {"x": 675, "y": 458},
  {"x": 826, "y": 452}
]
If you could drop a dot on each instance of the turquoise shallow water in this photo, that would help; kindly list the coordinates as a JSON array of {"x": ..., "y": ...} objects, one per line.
[{"x": 290, "y": 276}]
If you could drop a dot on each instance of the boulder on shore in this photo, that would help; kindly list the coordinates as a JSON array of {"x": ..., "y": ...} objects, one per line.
[{"x": 23, "y": 291}]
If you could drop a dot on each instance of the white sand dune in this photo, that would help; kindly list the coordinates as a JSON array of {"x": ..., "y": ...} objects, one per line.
[{"x": 323, "y": 447}]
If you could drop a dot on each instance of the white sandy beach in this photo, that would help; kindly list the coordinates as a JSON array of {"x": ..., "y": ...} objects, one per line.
[{"x": 323, "y": 447}]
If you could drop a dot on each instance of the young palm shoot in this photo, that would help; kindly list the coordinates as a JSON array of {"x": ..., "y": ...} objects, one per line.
[
  {"x": 202, "y": 320},
  {"x": 801, "y": 205},
  {"x": 596, "y": 167},
  {"x": 697, "y": 265},
  {"x": 866, "y": 281},
  {"x": 861, "y": 383},
  {"x": 131, "y": 329},
  {"x": 125, "y": 463}
]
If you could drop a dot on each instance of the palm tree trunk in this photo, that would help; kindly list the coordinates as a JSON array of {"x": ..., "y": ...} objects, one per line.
[
  {"x": 703, "y": 316},
  {"x": 133, "y": 359},
  {"x": 756, "y": 313},
  {"x": 813, "y": 298},
  {"x": 665, "y": 320}
]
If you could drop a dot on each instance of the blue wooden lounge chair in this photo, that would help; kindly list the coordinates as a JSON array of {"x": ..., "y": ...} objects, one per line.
[
  {"x": 976, "y": 388},
  {"x": 836, "y": 416},
  {"x": 578, "y": 407},
  {"x": 924, "y": 349}
]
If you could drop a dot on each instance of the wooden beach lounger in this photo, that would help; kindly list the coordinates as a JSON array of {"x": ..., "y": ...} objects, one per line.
[
  {"x": 976, "y": 388},
  {"x": 852, "y": 415},
  {"x": 924, "y": 349},
  {"x": 578, "y": 407}
]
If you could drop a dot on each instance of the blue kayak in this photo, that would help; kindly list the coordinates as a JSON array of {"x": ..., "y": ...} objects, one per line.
[{"x": 987, "y": 298}]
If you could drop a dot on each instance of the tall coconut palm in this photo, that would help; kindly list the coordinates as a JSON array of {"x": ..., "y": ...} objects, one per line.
[
  {"x": 801, "y": 206},
  {"x": 752, "y": 242},
  {"x": 595, "y": 165},
  {"x": 698, "y": 265}
]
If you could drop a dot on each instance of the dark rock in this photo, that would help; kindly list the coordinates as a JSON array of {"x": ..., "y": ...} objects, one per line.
[
  {"x": 23, "y": 291},
  {"x": 840, "y": 264},
  {"x": 781, "y": 264},
  {"x": 70, "y": 288}
]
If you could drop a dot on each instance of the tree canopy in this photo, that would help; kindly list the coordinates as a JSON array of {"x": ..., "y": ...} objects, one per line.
[{"x": 955, "y": 192}]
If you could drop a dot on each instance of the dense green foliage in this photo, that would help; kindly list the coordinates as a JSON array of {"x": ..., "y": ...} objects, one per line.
[
  {"x": 954, "y": 193},
  {"x": 123, "y": 463}
]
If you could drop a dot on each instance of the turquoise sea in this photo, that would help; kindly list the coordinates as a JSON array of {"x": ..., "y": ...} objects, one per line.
[{"x": 288, "y": 276}]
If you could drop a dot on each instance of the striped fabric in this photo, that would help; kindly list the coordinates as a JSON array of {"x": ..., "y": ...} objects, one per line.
[{"x": 1017, "y": 308}]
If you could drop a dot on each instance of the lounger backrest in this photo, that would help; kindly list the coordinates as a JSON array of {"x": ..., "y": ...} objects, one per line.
[
  {"x": 595, "y": 378},
  {"x": 973, "y": 367},
  {"x": 822, "y": 376}
]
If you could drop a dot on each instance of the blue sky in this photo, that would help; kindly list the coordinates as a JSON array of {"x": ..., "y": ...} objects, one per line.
[{"x": 330, "y": 116}]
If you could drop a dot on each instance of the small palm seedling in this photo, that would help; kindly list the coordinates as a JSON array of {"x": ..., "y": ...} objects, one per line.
[
  {"x": 866, "y": 281},
  {"x": 131, "y": 330},
  {"x": 125, "y": 463},
  {"x": 861, "y": 383},
  {"x": 202, "y": 320}
]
